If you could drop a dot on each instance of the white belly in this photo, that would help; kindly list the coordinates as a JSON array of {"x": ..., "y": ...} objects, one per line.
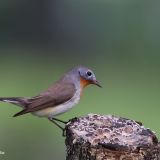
[{"x": 60, "y": 109}]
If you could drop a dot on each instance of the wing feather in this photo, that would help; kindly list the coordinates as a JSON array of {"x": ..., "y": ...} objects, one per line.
[{"x": 58, "y": 94}]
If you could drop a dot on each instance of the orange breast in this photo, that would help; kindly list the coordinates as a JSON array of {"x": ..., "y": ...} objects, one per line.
[{"x": 83, "y": 83}]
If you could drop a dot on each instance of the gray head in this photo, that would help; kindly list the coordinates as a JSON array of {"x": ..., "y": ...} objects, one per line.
[{"x": 85, "y": 75}]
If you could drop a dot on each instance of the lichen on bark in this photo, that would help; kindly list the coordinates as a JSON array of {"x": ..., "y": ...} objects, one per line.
[{"x": 107, "y": 137}]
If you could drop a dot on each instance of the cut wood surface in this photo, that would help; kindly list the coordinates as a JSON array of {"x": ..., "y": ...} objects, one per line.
[{"x": 107, "y": 137}]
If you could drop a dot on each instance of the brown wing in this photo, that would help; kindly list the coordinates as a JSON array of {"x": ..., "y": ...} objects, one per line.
[{"x": 58, "y": 94}]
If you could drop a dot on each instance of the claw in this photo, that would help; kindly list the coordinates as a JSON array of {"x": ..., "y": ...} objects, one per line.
[
  {"x": 73, "y": 119},
  {"x": 64, "y": 132}
]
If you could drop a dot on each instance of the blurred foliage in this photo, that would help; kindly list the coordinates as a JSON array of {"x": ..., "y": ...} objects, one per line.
[{"x": 40, "y": 40}]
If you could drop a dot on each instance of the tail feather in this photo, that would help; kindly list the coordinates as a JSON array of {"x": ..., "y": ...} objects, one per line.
[{"x": 20, "y": 101}]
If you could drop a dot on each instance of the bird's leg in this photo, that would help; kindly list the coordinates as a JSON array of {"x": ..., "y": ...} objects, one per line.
[
  {"x": 59, "y": 120},
  {"x": 63, "y": 129}
]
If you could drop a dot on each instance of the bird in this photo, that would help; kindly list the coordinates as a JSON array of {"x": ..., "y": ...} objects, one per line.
[{"x": 59, "y": 98}]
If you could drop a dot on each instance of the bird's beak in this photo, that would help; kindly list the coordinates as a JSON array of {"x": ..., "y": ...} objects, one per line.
[{"x": 97, "y": 83}]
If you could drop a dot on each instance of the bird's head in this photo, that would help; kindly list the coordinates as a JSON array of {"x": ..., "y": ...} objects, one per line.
[{"x": 87, "y": 77}]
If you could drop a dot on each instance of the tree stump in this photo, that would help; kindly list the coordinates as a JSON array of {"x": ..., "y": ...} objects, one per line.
[{"x": 107, "y": 137}]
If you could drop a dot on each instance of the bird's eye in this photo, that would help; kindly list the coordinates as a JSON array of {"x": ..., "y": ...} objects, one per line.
[{"x": 89, "y": 73}]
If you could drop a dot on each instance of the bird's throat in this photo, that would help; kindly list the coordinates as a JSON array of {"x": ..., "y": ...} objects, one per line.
[{"x": 84, "y": 83}]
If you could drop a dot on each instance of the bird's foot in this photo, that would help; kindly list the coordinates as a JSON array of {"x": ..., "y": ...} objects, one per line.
[
  {"x": 64, "y": 132},
  {"x": 73, "y": 119}
]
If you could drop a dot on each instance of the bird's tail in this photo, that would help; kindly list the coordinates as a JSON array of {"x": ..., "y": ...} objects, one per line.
[{"x": 19, "y": 101}]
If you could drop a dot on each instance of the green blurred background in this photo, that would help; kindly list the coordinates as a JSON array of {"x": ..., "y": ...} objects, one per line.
[{"x": 40, "y": 40}]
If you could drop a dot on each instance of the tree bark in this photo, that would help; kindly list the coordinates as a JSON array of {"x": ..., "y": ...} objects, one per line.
[{"x": 107, "y": 137}]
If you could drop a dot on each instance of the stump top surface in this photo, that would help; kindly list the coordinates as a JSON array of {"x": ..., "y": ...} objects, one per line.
[{"x": 111, "y": 131}]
